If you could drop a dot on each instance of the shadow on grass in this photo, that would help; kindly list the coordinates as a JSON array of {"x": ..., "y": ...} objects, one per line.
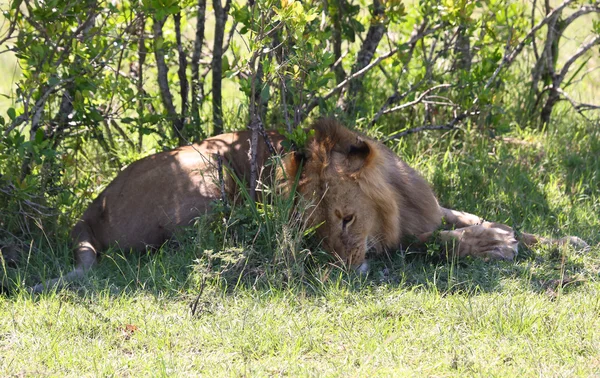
[
  {"x": 182, "y": 271},
  {"x": 502, "y": 187}
]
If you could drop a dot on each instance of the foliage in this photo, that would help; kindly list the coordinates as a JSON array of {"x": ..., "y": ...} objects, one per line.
[{"x": 102, "y": 80}]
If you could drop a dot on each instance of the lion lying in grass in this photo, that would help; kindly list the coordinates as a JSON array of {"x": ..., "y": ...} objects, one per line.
[{"x": 366, "y": 199}]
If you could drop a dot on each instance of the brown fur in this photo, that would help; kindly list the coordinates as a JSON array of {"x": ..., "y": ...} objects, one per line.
[
  {"x": 367, "y": 196},
  {"x": 364, "y": 197},
  {"x": 153, "y": 196}
]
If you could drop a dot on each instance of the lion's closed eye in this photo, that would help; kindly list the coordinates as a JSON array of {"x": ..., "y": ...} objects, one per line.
[{"x": 347, "y": 220}]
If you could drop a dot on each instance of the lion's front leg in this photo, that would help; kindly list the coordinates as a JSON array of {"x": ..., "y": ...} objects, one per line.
[
  {"x": 487, "y": 241},
  {"x": 460, "y": 219}
]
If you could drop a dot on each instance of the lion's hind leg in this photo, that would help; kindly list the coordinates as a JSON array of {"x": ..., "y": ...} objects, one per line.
[{"x": 85, "y": 253}]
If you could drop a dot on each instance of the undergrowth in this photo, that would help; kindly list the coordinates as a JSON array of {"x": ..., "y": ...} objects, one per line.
[{"x": 246, "y": 291}]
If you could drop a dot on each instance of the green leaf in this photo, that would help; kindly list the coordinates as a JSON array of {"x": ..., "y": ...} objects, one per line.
[
  {"x": 12, "y": 114},
  {"x": 225, "y": 64},
  {"x": 265, "y": 94},
  {"x": 39, "y": 136}
]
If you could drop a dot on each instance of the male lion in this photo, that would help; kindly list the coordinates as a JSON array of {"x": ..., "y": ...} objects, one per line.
[{"x": 365, "y": 198}]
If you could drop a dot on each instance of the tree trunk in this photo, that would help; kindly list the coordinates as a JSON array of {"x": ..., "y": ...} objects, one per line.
[
  {"x": 217, "y": 61},
  {"x": 365, "y": 55}
]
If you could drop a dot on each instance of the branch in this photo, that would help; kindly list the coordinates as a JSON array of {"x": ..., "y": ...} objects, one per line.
[
  {"x": 580, "y": 12},
  {"x": 255, "y": 125},
  {"x": 163, "y": 81},
  {"x": 365, "y": 55},
  {"x": 535, "y": 51},
  {"x": 38, "y": 107},
  {"x": 181, "y": 72},
  {"x": 417, "y": 100},
  {"x": 355, "y": 75},
  {"x": 396, "y": 96},
  {"x": 219, "y": 158},
  {"x": 230, "y": 37},
  {"x": 142, "y": 53},
  {"x": 578, "y": 106},
  {"x": 582, "y": 50},
  {"x": 315, "y": 102},
  {"x": 197, "y": 86},
  {"x": 8, "y": 35},
  {"x": 510, "y": 57},
  {"x": 448, "y": 126},
  {"x": 221, "y": 14}
]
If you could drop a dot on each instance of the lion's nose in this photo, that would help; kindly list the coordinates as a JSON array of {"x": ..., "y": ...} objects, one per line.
[{"x": 362, "y": 268}]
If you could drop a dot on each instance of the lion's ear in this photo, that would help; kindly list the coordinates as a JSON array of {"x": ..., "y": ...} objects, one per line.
[
  {"x": 292, "y": 163},
  {"x": 359, "y": 154}
]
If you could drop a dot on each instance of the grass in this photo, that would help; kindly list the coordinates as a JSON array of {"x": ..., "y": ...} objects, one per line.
[
  {"x": 376, "y": 330},
  {"x": 261, "y": 313}
]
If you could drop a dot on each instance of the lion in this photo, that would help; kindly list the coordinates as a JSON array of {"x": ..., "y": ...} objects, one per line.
[{"x": 365, "y": 198}]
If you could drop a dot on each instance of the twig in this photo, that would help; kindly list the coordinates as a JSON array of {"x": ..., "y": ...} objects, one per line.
[
  {"x": 38, "y": 107},
  {"x": 313, "y": 104},
  {"x": 580, "y": 12},
  {"x": 578, "y": 106},
  {"x": 255, "y": 125},
  {"x": 197, "y": 85},
  {"x": 263, "y": 133},
  {"x": 415, "y": 36},
  {"x": 194, "y": 306},
  {"x": 222, "y": 180},
  {"x": 417, "y": 100},
  {"x": 369, "y": 46},
  {"x": 221, "y": 14},
  {"x": 447, "y": 126}
]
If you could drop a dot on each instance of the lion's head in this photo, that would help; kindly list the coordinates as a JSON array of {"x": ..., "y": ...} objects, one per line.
[{"x": 350, "y": 181}]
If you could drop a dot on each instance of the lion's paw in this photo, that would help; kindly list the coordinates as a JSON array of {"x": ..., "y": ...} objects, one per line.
[
  {"x": 575, "y": 242},
  {"x": 487, "y": 242}
]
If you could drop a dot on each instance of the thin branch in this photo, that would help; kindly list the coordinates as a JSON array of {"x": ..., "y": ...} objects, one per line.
[
  {"x": 414, "y": 37},
  {"x": 163, "y": 81},
  {"x": 38, "y": 107},
  {"x": 533, "y": 43},
  {"x": 221, "y": 14},
  {"x": 448, "y": 126},
  {"x": 580, "y": 12},
  {"x": 12, "y": 26},
  {"x": 181, "y": 72},
  {"x": 417, "y": 100},
  {"x": 582, "y": 50},
  {"x": 255, "y": 125},
  {"x": 197, "y": 85},
  {"x": 219, "y": 158},
  {"x": 578, "y": 106},
  {"x": 142, "y": 53}
]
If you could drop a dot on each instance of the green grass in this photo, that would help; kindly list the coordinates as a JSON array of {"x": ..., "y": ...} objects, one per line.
[
  {"x": 372, "y": 330},
  {"x": 263, "y": 313}
]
